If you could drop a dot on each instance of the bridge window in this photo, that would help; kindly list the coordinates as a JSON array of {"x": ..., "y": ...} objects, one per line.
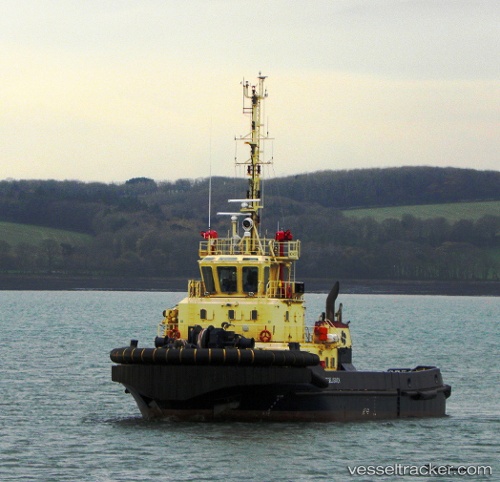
[
  {"x": 208, "y": 279},
  {"x": 250, "y": 279},
  {"x": 227, "y": 278}
]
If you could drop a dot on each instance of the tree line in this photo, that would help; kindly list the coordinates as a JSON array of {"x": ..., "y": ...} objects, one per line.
[{"x": 148, "y": 228}]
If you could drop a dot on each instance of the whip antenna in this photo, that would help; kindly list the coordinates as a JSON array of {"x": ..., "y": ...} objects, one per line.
[{"x": 210, "y": 178}]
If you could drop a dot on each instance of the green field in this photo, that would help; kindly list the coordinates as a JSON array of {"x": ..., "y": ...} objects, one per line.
[
  {"x": 452, "y": 212},
  {"x": 15, "y": 234}
]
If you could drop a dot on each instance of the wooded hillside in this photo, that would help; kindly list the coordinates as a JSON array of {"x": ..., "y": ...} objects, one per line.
[{"x": 150, "y": 228}]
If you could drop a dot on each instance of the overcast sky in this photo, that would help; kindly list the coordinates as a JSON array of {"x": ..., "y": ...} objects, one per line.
[{"x": 107, "y": 90}]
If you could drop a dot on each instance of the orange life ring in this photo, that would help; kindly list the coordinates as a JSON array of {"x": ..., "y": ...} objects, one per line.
[
  {"x": 174, "y": 333},
  {"x": 265, "y": 336}
]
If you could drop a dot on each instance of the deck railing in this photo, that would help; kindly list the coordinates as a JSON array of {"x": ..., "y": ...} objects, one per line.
[
  {"x": 288, "y": 290},
  {"x": 281, "y": 250},
  {"x": 284, "y": 290}
]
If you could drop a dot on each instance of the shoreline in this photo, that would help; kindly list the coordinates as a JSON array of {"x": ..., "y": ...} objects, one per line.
[{"x": 384, "y": 287}]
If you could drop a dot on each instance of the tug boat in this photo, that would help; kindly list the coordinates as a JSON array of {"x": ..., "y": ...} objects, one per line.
[{"x": 238, "y": 347}]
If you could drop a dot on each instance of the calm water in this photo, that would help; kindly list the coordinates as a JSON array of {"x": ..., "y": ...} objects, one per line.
[{"x": 62, "y": 419}]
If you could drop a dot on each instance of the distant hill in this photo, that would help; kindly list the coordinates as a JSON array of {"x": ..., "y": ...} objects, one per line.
[
  {"x": 403, "y": 186},
  {"x": 77, "y": 206},
  {"x": 15, "y": 234},
  {"x": 401, "y": 223},
  {"x": 450, "y": 211}
]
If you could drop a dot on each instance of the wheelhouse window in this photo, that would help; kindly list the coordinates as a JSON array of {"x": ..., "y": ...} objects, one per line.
[
  {"x": 208, "y": 279},
  {"x": 250, "y": 279},
  {"x": 227, "y": 278}
]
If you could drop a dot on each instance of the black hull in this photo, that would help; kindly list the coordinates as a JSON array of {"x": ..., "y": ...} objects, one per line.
[{"x": 281, "y": 393}]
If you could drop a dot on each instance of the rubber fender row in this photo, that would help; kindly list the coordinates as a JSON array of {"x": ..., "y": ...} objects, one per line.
[{"x": 213, "y": 356}]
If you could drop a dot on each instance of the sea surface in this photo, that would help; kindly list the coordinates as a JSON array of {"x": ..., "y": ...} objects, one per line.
[{"x": 63, "y": 419}]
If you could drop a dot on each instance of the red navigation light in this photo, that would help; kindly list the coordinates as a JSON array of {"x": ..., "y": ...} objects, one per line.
[
  {"x": 210, "y": 234},
  {"x": 283, "y": 235}
]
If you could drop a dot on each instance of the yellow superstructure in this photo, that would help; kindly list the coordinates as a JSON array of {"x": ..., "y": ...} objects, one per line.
[{"x": 247, "y": 282}]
